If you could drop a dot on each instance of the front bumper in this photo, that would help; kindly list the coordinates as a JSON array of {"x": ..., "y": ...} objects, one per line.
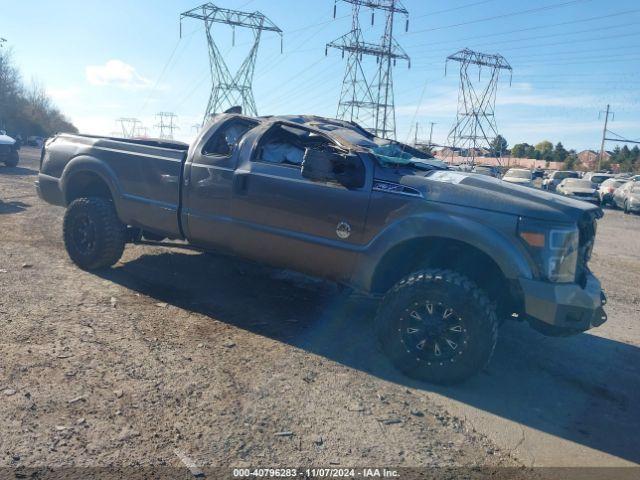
[{"x": 565, "y": 305}]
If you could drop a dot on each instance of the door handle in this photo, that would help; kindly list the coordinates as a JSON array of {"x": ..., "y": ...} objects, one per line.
[{"x": 241, "y": 183}]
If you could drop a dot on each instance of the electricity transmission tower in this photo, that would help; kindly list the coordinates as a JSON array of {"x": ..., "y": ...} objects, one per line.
[
  {"x": 475, "y": 125},
  {"x": 128, "y": 127},
  {"x": 229, "y": 90},
  {"x": 368, "y": 99},
  {"x": 142, "y": 132},
  {"x": 166, "y": 124},
  {"x": 419, "y": 144}
]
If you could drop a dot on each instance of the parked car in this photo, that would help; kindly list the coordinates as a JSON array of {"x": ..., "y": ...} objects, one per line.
[
  {"x": 519, "y": 176},
  {"x": 556, "y": 177},
  {"x": 9, "y": 150},
  {"x": 597, "y": 178},
  {"x": 606, "y": 189},
  {"x": 448, "y": 255},
  {"x": 35, "y": 141},
  {"x": 580, "y": 189},
  {"x": 627, "y": 197},
  {"x": 490, "y": 170}
]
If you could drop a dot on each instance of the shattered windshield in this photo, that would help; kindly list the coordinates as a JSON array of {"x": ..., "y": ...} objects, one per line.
[{"x": 393, "y": 154}]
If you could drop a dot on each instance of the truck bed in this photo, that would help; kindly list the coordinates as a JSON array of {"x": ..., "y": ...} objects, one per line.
[{"x": 143, "y": 175}]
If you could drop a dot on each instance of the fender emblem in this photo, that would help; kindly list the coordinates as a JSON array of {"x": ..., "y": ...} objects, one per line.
[{"x": 343, "y": 230}]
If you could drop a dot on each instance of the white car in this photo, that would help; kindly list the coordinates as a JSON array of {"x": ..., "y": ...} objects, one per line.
[
  {"x": 580, "y": 189},
  {"x": 8, "y": 150},
  {"x": 519, "y": 176}
]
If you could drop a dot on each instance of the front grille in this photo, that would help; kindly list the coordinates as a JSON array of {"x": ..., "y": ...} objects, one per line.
[{"x": 587, "y": 234}]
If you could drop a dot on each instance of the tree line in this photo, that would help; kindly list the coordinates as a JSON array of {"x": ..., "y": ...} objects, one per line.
[
  {"x": 627, "y": 159},
  {"x": 27, "y": 110}
]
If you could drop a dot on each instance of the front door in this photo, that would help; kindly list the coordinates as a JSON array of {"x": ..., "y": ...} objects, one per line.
[{"x": 290, "y": 221}]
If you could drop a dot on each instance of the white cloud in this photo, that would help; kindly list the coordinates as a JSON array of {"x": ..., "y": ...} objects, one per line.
[{"x": 116, "y": 73}]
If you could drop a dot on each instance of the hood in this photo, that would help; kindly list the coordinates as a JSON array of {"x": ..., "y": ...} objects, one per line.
[
  {"x": 6, "y": 140},
  {"x": 488, "y": 193}
]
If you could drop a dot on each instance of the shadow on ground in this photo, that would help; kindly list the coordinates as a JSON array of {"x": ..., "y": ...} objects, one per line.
[
  {"x": 584, "y": 388},
  {"x": 12, "y": 207},
  {"x": 17, "y": 171}
]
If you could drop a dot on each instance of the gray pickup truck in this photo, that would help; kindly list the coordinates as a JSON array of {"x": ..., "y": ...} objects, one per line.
[{"x": 449, "y": 255}]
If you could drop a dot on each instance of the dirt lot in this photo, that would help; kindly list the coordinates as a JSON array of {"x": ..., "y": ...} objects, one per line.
[{"x": 237, "y": 364}]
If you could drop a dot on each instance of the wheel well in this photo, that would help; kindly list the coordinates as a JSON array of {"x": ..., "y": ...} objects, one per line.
[
  {"x": 86, "y": 184},
  {"x": 456, "y": 255}
]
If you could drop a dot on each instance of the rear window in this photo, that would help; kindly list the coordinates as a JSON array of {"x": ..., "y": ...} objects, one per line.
[
  {"x": 224, "y": 141},
  {"x": 563, "y": 175},
  {"x": 599, "y": 178}
]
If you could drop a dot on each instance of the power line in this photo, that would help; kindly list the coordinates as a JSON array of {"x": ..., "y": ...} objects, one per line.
[
  {"x": 538, "y": 27},
  {"x": 438, "y": 12},
  {"x": 595, "y": 39},
  {"x": 537, "y": 37},
  {"x": 505, "y": 15}
]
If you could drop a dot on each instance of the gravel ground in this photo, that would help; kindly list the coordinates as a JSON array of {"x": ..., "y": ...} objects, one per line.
[
  {"x": 231, "y": 363},
  {"x": 235, "y": 364}
]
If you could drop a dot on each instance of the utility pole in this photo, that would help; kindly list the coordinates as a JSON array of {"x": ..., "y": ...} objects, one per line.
[
  {"x": 369, "y": 99},
  {"x": 604, "y": 135},
  {"x": 229, "y": 90},
  {"x": 431, "y": 133},
  {"x": 475, "y": 121},
  {"x": 166, "y": 124}
]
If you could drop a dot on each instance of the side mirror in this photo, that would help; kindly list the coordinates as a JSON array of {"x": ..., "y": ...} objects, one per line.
[{"x": 322, "y": 166}]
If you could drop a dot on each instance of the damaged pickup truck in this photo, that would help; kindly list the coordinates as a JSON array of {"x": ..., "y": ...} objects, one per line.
[{"x": 448, "y": 255}]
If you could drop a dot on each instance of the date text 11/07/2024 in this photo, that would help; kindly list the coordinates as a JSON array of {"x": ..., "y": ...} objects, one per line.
[{"x": 315, "y": 473}]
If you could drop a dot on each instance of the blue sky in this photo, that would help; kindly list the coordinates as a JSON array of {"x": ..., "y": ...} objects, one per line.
[{"x": 103, "y": 60}]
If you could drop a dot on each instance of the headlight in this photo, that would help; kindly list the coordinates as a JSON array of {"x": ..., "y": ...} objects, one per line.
[{"x": 553, "y": 247}]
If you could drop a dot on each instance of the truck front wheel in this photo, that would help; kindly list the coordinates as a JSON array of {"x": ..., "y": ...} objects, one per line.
[
  {"x": 437, "y": 326},
  {"x": 93, "y": 235}
]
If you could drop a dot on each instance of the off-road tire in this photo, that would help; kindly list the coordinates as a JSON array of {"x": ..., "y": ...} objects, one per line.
[
  {"x": 108, "y": 233},
  {"x": 13, "y": 160},
  {"x": 472, "y": 327}
]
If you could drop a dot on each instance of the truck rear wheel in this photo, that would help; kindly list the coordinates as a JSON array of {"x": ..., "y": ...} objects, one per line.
[
  {"x": 437, "y": 326},
  {"x": 93, "y": 235},
  {"x": 13, "y": 159}
]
